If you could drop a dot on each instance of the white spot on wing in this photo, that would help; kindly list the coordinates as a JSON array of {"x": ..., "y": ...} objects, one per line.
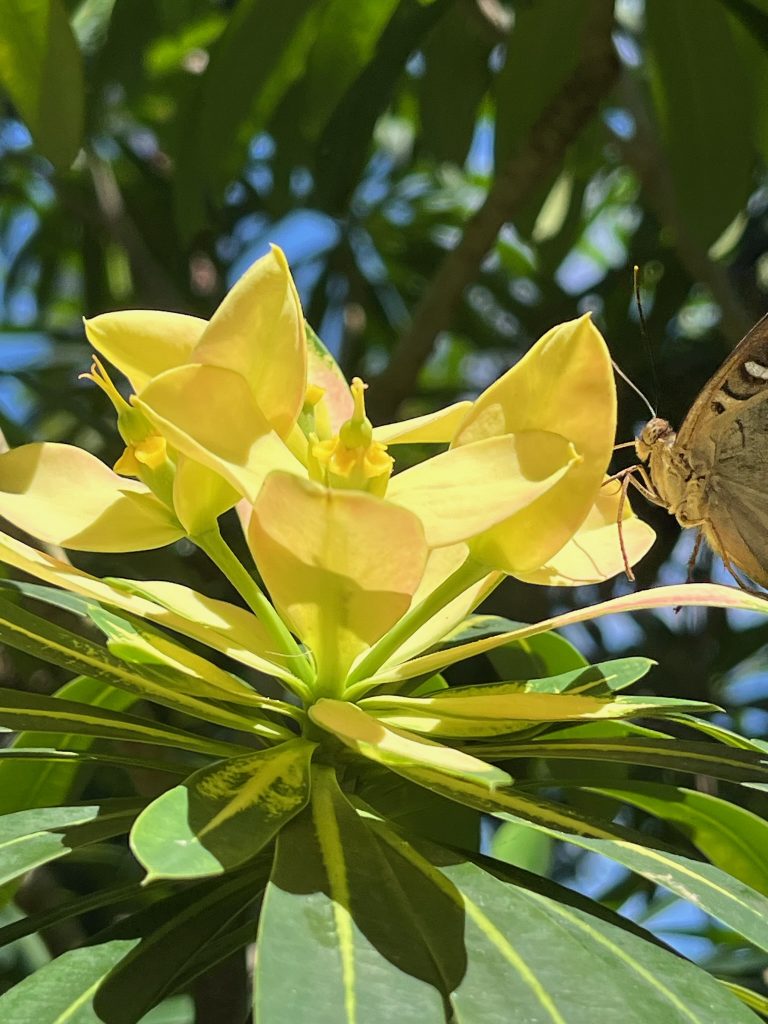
[{"x": 756, "y": 370}]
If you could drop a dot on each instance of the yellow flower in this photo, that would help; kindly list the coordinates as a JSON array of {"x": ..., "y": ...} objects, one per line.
[{"x": 220, "y": 406}]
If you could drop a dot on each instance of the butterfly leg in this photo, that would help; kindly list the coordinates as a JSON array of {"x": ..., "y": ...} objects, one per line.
[
  {"x": 625, "y": 482},
  {"x": 626, "y": 477},
  {"x": 730, "y": 567},
  {"x": 694, "y": 555},
  {"x": 646, "y": 488}
]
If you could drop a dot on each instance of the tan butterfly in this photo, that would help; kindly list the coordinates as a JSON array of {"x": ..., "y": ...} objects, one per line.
[{"x": 713, "y": 474}]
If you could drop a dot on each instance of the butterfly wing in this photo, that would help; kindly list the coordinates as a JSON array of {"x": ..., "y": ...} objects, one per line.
[
  {"x": 742, "y": 377},
  {"x": 737, "y": 486},
  {"x": 723, "y": 439}
]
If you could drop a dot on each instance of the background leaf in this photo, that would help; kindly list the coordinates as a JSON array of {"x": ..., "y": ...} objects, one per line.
[{"x": 41, "y": 69}]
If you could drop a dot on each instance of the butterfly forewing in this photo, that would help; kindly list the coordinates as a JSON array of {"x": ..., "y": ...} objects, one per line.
[
  {"x": 715, "y": 473},
  {"x": 742, "y": 377}
]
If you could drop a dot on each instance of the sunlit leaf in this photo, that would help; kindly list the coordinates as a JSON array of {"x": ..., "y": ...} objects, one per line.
[
  {"x": 224, "y": 813},
  {"x": 693, "y": 594}
]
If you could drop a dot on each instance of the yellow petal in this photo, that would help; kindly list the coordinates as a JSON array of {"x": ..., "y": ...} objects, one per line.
[
  {"x": 434, "y": 428},
  {"x": 258, "y": 332},
  {"x": 143, "y": 343},
  {"x": 341, "y": 566},
  {"x": 209, "y": 414},
  {"x": 465, "y": 491},
  {"x": 63, "y": 495},
  {"x": 200, "y": 495},
  {"x": 563, "y": 384},
  {"x": 324, "y": 372},
  {"x": 594, "y": 553}
]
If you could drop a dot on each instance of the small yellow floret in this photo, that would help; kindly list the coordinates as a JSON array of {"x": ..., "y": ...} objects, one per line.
[
  {"x": 128, "y": 464},
  {"x": 352, "y": 460},
  {"x": 152, "y": 451}
]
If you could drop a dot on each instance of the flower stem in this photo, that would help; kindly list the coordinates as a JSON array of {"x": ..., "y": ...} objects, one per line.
[
  {"x": 217, "y": 549},
  {"x": 468, "y": 573}
]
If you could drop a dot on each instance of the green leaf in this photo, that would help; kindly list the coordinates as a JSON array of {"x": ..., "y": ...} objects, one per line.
[
  {"x": 678, "y": 755},
  {"x": 539, "y": 810},
  {"x": 547, "y": 654},
  {"x": 344, "y": 148},
  {"x": 692, "y": 51},
  {"x": 542, "y": 51},
  {"x": 25, "y": 711},
  {"x": 41, "y": 70},
  {"x": 729, "y": 836},
  {"x": 754, "y": 19},
  {"x": 606, "y": 677},
  {"x": 523, "y": 847},
  {"x": 65, "y": 758},
  {"x": 252, "y": 63},
  {"x": 223, "y": 814},
  {"x": 336, "y": 934},
  {"x": 31, "y": 838},
  {"x": 754, "y": 1000},
  {"x": 345, "y": 40},
  {"x": 47, "y": 595},
  {"x": 729, "y": 900},
  {"x": 30, "y": 782},
  {"x": 456, "y": 78},
  {"x": 417, "y": 810},
  {"x": 164, "y": 685},
  {"x": 542, "y": 959},
  {"x": 717, "y": 732},
  {"x": 136, "y": 642},
  {"x": 172, "y": 932},
  {"x": 108, "y": 897},
  {"x": 227, "y": 628},
  {"x": 61, "y": 991}
]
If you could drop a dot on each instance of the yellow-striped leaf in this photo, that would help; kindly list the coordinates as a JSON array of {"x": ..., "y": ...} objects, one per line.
[
  {"x": 337, "y": 933},
  {"x": 223, "y": 814},
  {"x": 493, "y": 710},
  {"x": 374, "y": 740}
]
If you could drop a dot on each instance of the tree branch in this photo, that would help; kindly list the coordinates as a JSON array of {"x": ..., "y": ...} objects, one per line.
[{"x": 556, "y": 128}]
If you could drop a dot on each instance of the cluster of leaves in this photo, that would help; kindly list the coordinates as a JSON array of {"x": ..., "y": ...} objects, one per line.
[{"x": 363, "y": 862}]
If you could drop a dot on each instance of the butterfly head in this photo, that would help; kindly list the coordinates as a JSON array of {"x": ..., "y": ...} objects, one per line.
[{"x": 655, "y": 432}]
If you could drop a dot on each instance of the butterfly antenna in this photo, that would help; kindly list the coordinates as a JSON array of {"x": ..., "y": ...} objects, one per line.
[
  {"x": 634, "y": 387},
  {"x": 644, "y": 332}
]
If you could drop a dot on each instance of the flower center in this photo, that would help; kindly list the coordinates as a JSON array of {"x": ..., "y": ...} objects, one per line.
[
  {"x": 146, "y": 452},
  {"x": 352, "y": 460}
]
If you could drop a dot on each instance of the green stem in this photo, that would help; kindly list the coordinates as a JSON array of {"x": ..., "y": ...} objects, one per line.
[
  {"x": 214, "y": 545},
  {"x": 468, "y": 573}
]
